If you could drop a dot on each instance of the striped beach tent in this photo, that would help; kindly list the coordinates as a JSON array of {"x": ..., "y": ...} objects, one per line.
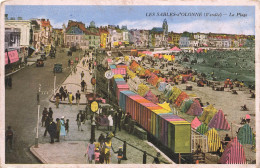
[
  {"x": 175, "y": 93},
  {"x": 219, "y": 121},
  {"x": 245, "y": 135},
  {"x": 153, "y": 80},
  {"x": 195, "y": 123},
  {"x": 208, "y": 113},
  {"x": 186, "y": 105},
  {"x": 151, "y": 97},
  {"x": 213, "y": 140},
  {"x": 202, "y": 129},
  {"x": 195, "y": 109},
  {"x": 233, "y": 154},
  {"x": 142, "y": 89},
  {"x": 181, "y": 98}
]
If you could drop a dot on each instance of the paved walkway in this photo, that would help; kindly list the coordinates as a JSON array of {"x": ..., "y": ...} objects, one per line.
[
  {"x": 72, "y": 82},
  {"x": 72, "y": 147}
]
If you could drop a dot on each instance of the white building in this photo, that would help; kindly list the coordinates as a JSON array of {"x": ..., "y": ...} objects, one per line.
[{"x": 24, "y": 26}]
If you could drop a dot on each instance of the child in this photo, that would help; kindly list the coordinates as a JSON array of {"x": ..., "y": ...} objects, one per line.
[
  {"x": 97, "y": 154},
  {"x": 119, "y": 155},
  {"x": 67, "y": 126}
]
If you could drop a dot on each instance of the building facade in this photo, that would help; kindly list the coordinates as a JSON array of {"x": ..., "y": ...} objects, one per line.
[
  {"x": 74, "y": 35},
  {"x": 24, "y": 27}
]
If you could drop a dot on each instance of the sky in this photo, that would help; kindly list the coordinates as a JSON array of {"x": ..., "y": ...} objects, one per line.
[{"x": 215, "y": 19}]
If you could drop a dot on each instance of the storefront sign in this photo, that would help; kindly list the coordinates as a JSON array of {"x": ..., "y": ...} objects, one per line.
[
  {"x": 13, "y": 56},
  {"x": 94, "y": 106}
]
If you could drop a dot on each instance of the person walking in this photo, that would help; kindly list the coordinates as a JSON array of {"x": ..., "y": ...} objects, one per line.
[
  {"x": 58, "y": 126},
  {"x": 119, "y": 119},
  {"x": 62, "y": 127},
  {"x": 110, "y": 122},
  {"x": 70, "y": 98},
  {"x": 77, "y": 97},
  {"x": 61, "y": 91},
  {"x": 50, "y": 112},
  {"x": 83, "y": 84},
  {"x": 65, "y": 93},
  {"x": 9, "y": 138},
  {"x": 90, "y": 151},
  {"x": 82, "y": 75},
  {"x": 80, "y": 119},
  {"x": 97, "y": 155},
  {"x": 52, "y": 130},
  {"x": 119, "y": 155},
  {"x": 101, "y": 139},
  {"x": 44, "y": 115},
  {"x": 69, "y": 62},
  {"x": 67, "y": 126},
  {"x": 57, "y": 100},
  {"x": 47, "y": 123}
]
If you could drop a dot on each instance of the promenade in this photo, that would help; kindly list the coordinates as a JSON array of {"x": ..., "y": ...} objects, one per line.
[{"x": 72, "y": 147}]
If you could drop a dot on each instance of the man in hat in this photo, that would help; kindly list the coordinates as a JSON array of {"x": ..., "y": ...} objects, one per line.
[
  {"x": 44, "y": 115},
  {"x": 58, "y": 125},
  {"x": 50, "y": 112},
  {"x": 77, "y": 97},
  {"x": 52, "y": 130}
]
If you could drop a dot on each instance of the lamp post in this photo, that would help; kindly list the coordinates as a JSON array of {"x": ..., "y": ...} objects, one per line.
[
  {"x": 37, "y": 127},
  {"x": 54, "y": 82}
]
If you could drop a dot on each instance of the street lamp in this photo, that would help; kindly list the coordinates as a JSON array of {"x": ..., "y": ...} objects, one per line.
[
  {"x": 37, "y": 127},
  {"x": 54, "y": 82}
]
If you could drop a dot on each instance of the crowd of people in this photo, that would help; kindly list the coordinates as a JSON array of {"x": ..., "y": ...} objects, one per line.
[{"x": 55, "y": 129}]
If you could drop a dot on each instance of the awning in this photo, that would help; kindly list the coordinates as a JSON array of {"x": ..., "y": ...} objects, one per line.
[{"x": 13, "y": 56}]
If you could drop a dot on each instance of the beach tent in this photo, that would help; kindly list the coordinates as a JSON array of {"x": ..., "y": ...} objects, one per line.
[
  {"x": 208, "y": 113},
  {"x": 202, "y": 129},
  {"x": 219, "y": 121},
  {"x": 199, "y": 50},
  {"x": 233, "y": 154},
  {"x": 175, "y": 49},
  {"x": 213, "y": 140},
  {"x": 168, "y": 91},
  {"x": 142, "y": 89},
  {"x": 130, "y": 73},
  {"x": 166, "y": 106},
  {"x": 245, "y": 135},
  {"x": 151, "y": 97},
  {"x": 175, "y": 93},
  {"x": 186, "y": 105},
  {"x": 181, "y": 98},
  {"x": 153, "y": 79},
  {"x": 195, "y": 108},
  {"x": 147, "y": 72},
  {"x": 134, "y": 65},
  {"x": 195, "y": 123},
  {"x": 141, "y": 72},
  {"x": 162, "y": 86}
]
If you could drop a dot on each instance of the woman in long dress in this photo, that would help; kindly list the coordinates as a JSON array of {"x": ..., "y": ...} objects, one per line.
[
  {"x": 90, "y": 151},
  {"x": 62, "y": 127}
]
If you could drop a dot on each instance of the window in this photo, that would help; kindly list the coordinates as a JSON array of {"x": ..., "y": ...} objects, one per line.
[{"x": 76, "y": 37}]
